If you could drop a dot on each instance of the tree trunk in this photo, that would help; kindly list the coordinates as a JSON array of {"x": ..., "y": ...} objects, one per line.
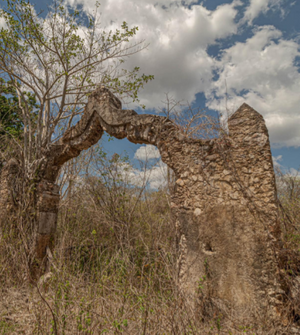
[{"x": 47, "y": 205}]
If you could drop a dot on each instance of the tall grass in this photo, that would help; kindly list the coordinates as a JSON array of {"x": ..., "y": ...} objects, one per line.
[{"x": 113, "y": 270}]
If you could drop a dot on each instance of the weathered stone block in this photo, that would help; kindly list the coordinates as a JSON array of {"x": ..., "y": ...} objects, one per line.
[{"x": 47, "y": 222}]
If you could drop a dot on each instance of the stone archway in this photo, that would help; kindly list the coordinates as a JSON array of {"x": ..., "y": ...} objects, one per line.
[{"x": 224, "y": 203}]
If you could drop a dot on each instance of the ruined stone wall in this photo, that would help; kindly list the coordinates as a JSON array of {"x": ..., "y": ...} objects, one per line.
[
  {"x": 224, "y": 205},
  {"x": 226, "y": 211}
]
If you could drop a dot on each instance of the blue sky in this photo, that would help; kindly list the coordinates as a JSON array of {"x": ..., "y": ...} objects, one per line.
[
  {"x": 196, "y": 49},
  {"x": 261, "y": 29}
]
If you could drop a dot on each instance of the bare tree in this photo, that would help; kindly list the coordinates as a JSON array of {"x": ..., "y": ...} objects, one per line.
[
  {"x": 193, "y": 122},
  {"x": 54, "y": 63},
  {"x": 59, "y": 61}
]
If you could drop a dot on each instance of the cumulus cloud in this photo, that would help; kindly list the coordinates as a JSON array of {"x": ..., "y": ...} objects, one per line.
[
  {"x": 156, "y": 176},
  {"x": 276, "y": 160},
  {"x": 257, "y": 7},
  {"x": 178, "y": 38},
  {"x": 262, "y": 72},
  {"x": 147, "y": 152},
  {"x": 153, "y": 177}
]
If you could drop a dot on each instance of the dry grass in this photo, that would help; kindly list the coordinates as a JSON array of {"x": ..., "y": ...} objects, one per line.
[{"x": 113, "y": 270}]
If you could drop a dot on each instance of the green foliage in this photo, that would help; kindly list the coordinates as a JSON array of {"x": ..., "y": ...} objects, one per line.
[
  {"x": 10, "y": 112},
  {"x": 29, "y": 39},
  {"x": 49, "y": 66},
  {"x": 10, "y": 118}
]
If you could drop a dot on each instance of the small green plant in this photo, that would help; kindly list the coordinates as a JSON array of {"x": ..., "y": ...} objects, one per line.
[
  {"x": 201, "y": 282},
  {"x": 218, "y": 322},
  {"x": 120, "y": 325},
  {"x": 83, "y": 318},
  {"x": 6, "y": 328},
  {"x": 246, "y": 329}
]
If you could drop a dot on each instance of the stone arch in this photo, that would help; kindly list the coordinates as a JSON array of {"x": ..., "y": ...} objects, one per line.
[{"x": 224, "y": 203}]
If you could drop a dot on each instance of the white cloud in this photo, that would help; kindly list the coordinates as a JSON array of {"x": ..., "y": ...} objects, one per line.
[
  {"x": 293, "y": 172},
  {"x": 158, "y": 176},
  {"x": 262, "y": 72},
  {"x": 155, "y": 176},
  {"x": 178, "y": 38},
  {"x": 288, "y": 172},
  {"x": 147, "y": 152},
  {"x": 276, "y": 160},
  {"x": 2, "y": 22},
  {"x": 256, "y": 7}
]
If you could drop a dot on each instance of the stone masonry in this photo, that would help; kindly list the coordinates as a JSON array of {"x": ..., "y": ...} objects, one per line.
[{"x": 224, "y": 204}]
